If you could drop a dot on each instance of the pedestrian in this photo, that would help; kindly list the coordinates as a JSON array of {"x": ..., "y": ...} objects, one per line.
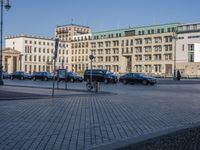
[{"x": 178, "y": 75}]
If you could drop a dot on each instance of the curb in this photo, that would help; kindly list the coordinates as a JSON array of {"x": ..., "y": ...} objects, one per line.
[{"x": 120, "y": 144}]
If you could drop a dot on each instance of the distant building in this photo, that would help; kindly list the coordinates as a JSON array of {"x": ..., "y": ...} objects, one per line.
[
  {"x": 67, "y": 32},
  {"x": 188, "y": 49},
  {"x": 34, "y": 54},
  {"x": 148, "y": 49},
  {"x": 157, "y": 50}
]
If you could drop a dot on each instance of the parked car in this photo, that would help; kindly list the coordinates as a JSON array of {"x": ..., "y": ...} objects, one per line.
[
  {"x": 137, "y": 78},
  {"x": 69, "y": 76},
  {"x": 72, "y": 76},
  {"x": 27, "y": 76},
  {"x": 19, "y": 75},
  {"x": 100, "y": 75},
  {"x": 42, "y": 76},
  {"x": 5, "y": 75}
]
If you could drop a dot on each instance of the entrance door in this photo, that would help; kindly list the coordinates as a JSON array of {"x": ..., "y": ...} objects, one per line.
[{"x": 168, "y": 69}]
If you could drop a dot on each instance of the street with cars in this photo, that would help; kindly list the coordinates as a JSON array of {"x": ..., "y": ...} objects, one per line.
[{"x": 95, "y": 75}]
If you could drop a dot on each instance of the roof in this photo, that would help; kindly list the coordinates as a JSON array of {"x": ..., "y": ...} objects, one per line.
[
  {"x": 73, "y": 25},
  {"x": 139, "y": 27},
  {"x": 11, "y": 51},
  {"x": 29, "y": 36}
]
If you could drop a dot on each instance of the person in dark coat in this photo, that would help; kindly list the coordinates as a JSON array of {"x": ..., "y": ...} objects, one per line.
[{"x": 178, "y": 75}]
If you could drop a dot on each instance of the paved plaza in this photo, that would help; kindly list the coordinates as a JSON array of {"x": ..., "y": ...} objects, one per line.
[{"x": 81, "y": 120}]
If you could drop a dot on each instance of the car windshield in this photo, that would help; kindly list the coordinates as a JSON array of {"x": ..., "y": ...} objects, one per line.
[
  {"x": 139, "y": 75},
  {"x": 108, "y": 72}
]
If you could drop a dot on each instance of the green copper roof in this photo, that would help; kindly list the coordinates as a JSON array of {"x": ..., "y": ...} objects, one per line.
[{"x": 137, "y": 30}]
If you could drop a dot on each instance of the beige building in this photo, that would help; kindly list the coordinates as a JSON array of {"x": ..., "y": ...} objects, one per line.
[
  {"x": 148, "y": 49},
  {"x": 153, "y": 50}
]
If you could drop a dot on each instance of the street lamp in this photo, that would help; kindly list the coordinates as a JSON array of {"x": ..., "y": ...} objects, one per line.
[
  {"x": 175, "y": 40},
  {"x": 91, "y": 58},
  {"x": 7, "y": 7}
]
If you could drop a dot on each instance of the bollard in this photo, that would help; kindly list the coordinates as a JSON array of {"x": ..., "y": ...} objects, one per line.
[{"x": 96, "y": 87}]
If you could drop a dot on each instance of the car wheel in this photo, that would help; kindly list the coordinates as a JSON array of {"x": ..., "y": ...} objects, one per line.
[
  {"x": 71, "y": 80},
  {"x": 125, "y": 81},
  {"x": 34, "y": 78},
  {"x": 11, "y": 78},
  {"x": 89, "y": 86},
  {"x": 22, "y": 78},
  {"x": 144, "y": 82},
  {"x": 45, "y": 79},
  {"x": 106, "y": 81}
]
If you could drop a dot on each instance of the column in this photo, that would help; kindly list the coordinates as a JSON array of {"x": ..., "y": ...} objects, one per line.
[
  {"x": 18, "y": 64},
  {"x": 3, "y": 62}
]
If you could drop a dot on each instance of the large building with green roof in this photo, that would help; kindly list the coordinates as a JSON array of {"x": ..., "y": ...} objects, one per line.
[{"x": 153, "y": 50}]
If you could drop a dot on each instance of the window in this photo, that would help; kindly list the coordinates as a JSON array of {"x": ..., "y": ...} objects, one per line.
[
  {"x": 190, "y": 56},
  {"x": 25, "y": 57},
  {"x": 190, "y": 47},
  {"x": 195, "y": 27},
  {"x": 35, "y": 58},
  {"x": 30, "y": 58},
  {"x": 187, "y": 27}
]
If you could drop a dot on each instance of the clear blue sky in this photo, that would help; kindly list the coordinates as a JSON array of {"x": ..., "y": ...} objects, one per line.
[{"x": 40, "y": 17}]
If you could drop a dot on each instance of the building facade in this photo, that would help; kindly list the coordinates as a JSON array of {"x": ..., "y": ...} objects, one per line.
[
  {"x": 36, "y": 54},
  {"x": 157, "y": 50},
  {"x": 148, "y": 49},
  {"x": 188, "y": 49}
]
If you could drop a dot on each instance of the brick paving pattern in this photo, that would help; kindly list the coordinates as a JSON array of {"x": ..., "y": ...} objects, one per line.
[{"x": 88, "y": 122}]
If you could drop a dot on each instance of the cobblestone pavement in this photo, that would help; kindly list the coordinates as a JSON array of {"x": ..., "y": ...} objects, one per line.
[{"x": 92, "y": 121}]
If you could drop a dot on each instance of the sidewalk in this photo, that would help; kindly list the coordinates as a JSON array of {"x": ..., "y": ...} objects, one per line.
[
  {"x": 85, "y": 121},
  {"x": 28, "y": 92}
]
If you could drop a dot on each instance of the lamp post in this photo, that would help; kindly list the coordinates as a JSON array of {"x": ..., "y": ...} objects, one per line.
[
  {"x": 7, "y": 7},
  {"x": 91, "y": 58},
  {"x": 175, "y": 39}
]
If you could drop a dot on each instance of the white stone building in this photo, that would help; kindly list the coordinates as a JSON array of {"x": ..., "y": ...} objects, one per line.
[
  {"x": 36, "y": 54},
  {"x": 188, "y": 49}
]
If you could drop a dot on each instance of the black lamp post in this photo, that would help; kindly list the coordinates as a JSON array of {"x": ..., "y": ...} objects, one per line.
[
  {"x": 7, "y": 7},
  {"x": 175, "y": 40},
  {"x": 91, "y": 58}
]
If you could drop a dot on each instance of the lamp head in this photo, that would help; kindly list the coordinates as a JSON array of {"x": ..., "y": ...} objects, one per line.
[{"x": 7, "y": 6}]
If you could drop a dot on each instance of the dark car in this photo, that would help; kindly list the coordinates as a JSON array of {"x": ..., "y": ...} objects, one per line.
[
  {"x": 137, "y": 78},
  {"x": 5, "y": 75},
  {"x": 27, "y": 76},
  {"x": 69, "y": 76},
  {"x": 19, "y": 75},
  {"x": 100, "y": 75},
  {"x": 72, "y": 76},
  {"x": 44, "y": 76}
]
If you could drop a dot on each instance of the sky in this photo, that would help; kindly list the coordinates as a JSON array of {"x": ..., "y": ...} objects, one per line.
[{"x": 40, "y": 17}]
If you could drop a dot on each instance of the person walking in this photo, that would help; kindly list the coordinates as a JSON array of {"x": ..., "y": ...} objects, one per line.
[{"x": 178, "y": 75}]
